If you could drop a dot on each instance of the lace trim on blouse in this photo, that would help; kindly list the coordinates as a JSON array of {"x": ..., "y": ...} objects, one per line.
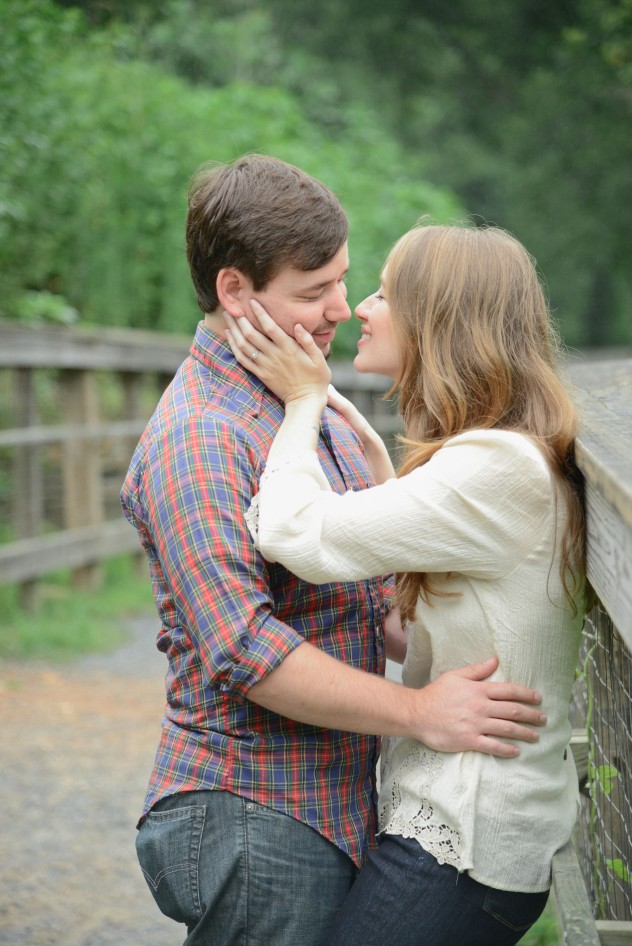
[
  {"x": 252, "y": 518},
  {"x": 410, "y": 813},
  {"x": 252, "y": 513}
]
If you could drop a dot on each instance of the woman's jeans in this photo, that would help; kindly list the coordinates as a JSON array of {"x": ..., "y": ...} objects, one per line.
[
  {"x": 239, "y": 874},
  {"x": 404, "y": 897}
]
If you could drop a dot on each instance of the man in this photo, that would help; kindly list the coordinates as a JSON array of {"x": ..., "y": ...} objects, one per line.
[{"x": 261, "y": 802}]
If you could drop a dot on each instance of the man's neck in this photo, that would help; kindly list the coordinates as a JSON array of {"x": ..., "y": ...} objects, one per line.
[{"x": 215, "y": 322}]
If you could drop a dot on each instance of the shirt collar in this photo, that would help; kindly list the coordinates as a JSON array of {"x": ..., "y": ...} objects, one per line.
[{"x": 231, "y": 380}]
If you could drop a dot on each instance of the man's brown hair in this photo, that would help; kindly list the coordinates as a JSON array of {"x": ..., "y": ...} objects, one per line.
[{"x": 258, "y": 214}]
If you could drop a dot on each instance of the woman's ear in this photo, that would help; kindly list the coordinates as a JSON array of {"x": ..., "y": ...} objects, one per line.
[{"x": 233, "y": 290}]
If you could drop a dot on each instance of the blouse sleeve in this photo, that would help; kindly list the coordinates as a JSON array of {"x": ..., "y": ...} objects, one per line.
[{"x": 478, "y": 507}]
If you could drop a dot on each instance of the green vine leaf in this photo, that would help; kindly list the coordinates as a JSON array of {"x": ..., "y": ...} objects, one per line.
[
  {"x": 602, "y": 777},
  {"x": 618, "y": 868}
]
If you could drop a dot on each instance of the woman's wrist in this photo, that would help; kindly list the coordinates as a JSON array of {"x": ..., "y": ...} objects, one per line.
[
  {"x": 306, "y": 401},
  {"x": 300, "y": 428}
]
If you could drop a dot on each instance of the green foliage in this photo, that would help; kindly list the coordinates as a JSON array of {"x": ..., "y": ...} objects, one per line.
[
  {"x": 34, "y": 308},
  {"x": 602, "y": 778},
  {"x": 620, "y": 871},
  {"x": 520, "y": 109},
  {"x": 93, "y": 194},
  {"x": 69, "y": 622},
  {"x": 523, "y": 109}
]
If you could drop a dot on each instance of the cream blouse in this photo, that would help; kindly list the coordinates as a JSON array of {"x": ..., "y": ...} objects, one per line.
[{"x": 482, "y": 516}]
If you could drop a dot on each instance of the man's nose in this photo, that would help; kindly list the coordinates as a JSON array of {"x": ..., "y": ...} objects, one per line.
[{"x": 338, "y": 309}]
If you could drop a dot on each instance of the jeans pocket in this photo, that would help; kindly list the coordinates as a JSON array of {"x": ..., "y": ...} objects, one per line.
[
  {"x": 516, "y": 910},
  {"x": 168, "y": 848}
]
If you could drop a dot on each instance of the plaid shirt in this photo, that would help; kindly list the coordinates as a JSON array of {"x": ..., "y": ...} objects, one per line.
[{"x": 229, "y": 618}]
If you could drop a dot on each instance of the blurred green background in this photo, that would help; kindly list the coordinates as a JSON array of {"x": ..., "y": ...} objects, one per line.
[{"x": 514, "y": 113}]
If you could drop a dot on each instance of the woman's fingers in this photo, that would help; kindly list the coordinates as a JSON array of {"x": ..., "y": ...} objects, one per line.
[
  {"x": 246, "y": 336},
  {"x": 290, "y": 367},
  {"x": 246, "y": 358},
  {"x": 267, "y": 323},
  {"x": 236, "y": 345},
  {"x": 269, "y": 338},
  {"x": 307, "y": 343},
  {"x": 273, "y": 332},
  {"x": 286, "y": 343}
]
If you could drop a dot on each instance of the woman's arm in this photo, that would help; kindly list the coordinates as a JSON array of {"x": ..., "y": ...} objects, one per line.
[
  {"x": 477, "y": 507},
  {"x": 296, "y": 371},
  {"x": 395, "y": 635},
  {"x": 374, "y": 447}
]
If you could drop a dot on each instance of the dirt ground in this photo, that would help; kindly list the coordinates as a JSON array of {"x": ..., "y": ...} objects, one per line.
[{"x": 76, "y": 746}]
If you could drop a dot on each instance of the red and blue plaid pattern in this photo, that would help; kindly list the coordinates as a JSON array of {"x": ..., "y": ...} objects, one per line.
[{"x": 228, "y": 618}]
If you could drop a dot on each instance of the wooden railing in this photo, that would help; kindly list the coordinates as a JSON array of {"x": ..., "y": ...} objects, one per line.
[
  {"x": 72, "y": 406},
  {"x": 592, "y": 875}
]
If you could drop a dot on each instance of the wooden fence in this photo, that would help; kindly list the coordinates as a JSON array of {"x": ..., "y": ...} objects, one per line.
[
  {"x": 72, "y": 406},
  {"x": 593, "y": 875},
  {"x": 73, "y": 403}
]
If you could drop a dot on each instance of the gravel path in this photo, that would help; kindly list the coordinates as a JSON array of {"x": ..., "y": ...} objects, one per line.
[{"x": 76, "y": 746}]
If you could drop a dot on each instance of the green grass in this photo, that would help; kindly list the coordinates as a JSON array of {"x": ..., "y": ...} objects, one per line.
[{"x": 68, "y": 622}]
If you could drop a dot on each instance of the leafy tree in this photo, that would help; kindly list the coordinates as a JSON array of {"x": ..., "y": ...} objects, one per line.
[
  {"x": 522, "y": 108},
  {"x": 100, "y": 159}
]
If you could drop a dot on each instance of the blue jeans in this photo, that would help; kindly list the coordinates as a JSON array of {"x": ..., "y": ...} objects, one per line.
[
  {"x": 404, "y": 897},
  {"x": 239, "y": 874}
]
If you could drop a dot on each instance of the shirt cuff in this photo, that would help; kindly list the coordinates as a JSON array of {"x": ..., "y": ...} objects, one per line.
[{"x": 270, "y": 646}]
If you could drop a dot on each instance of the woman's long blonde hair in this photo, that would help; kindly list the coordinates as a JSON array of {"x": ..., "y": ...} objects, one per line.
[{"x": 479, "y": 351}]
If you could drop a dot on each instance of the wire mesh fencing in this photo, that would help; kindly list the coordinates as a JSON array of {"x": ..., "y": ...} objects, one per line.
[{"x": 603, "y": 704}]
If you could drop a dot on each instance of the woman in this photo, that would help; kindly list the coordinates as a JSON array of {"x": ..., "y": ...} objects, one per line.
[{"x": 483, "y": 527}]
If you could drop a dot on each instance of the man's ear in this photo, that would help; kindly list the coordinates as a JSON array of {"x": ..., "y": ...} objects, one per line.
[{"x": 233, "y": 290}]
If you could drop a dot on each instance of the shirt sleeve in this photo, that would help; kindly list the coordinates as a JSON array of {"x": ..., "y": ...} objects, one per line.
[
  {"x": 478, "y": 507},
  {"x": 197, "y": 485}
]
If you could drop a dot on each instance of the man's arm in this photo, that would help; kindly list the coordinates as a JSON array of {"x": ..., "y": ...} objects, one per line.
[
  {"x": 460, "y": 710},
  {"x": 197, "y": 486}
]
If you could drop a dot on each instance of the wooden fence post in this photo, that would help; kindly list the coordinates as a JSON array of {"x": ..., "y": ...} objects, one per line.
[
  {"x": 83, "y": 502},
  {"x": 27, "y": 493},
  {"x": 132, "y": 384}
]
